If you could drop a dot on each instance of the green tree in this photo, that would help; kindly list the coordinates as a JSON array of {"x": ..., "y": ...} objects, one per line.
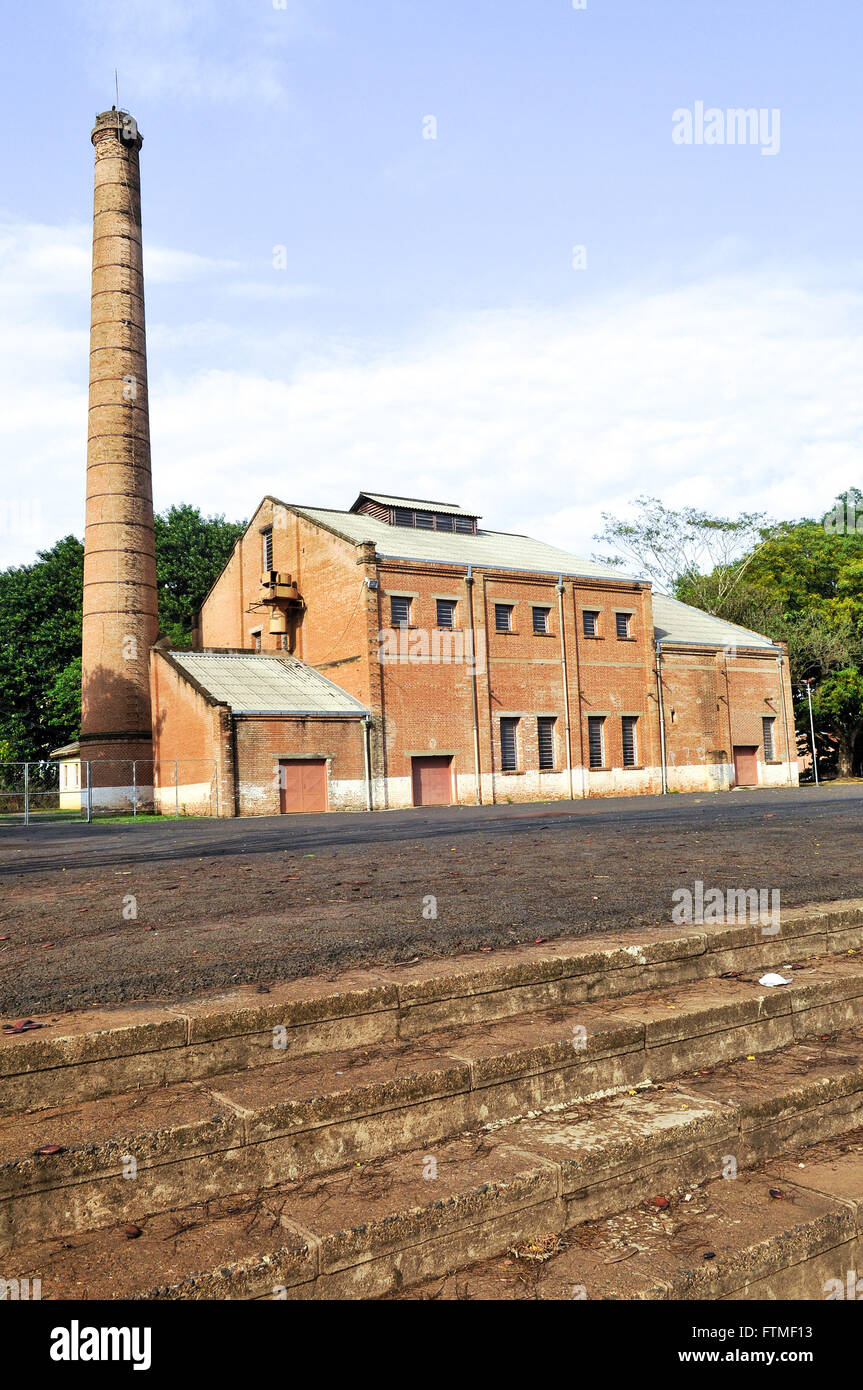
[
  {"x": 40, "y": 634},
  {"x": 687, "y": 550},
  {"x": 798, "y": 582},
  {"x": 191, "y": 552},
  {"x": 40, "y": 624},
  {"x": 837, "y": 704}
]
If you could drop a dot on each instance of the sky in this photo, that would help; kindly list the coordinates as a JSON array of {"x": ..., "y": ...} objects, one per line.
[{"x": 502, "y": 253}]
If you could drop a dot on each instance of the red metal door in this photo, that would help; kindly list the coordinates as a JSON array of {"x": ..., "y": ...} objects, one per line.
[
  {"x": 432, "y": 779},
  {"x": 745, "y": 765},
  {"x": 302, "y": 785}
]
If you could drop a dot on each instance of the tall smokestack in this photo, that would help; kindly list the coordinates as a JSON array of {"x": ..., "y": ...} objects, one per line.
[{"x": 120, "y": 618}]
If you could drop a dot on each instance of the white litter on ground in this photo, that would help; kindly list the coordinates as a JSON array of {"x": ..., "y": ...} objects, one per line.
[{"x": 770, "y": 979}]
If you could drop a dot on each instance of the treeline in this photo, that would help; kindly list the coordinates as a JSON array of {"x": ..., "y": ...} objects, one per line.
[
  {"x": 799, "y": 582},
  {"x": 40, "y": 624}
]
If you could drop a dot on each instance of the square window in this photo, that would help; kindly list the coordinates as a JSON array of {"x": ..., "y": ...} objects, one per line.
[
  {"x": 622, "y": 621},
  {"x": 446, "y": 612},
  {"x": 590, "y": 621},
  {"x": 400, "y": 610},
  {"x": 503, "y": 617},
  {"x": 540, "y": 620}
]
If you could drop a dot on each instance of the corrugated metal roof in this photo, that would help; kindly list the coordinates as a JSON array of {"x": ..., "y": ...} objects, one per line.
[
  {"x": 492, "y": 549},
  {"x": 417, "y": 504},
  {"x": 677, "y": 622},
  {"x": 673, "y": 621},
  {"x": 258, "y": 683}
]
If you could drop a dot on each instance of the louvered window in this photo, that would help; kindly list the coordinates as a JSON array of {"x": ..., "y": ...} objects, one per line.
[
  {"x": 268, "y": 550},
  {"x": 400, "y": 610},
  {"x": 540, "y": 620},
  {"x": 503, "y": 617},
  {"x": 509, "y": 745},
  {"x": 769, "y": 745},
  {"x": 433, "y": 521},
  {"x": 596, "y": 740},
  {"x": 545, "y": 737},
  {"x": 446, "y": 612},
  {"x": 591, "y": 623},
  {"x": 630, "y": 745},
  {"x": 622, "y": 622}
]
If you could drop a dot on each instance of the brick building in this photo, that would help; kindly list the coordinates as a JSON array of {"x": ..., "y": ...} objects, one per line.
[
  {"x": 398, "y": 654},
  {"x": 394, "y": 654}
]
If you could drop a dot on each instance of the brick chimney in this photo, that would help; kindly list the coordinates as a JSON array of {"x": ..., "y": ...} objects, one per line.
[{"x": 120, "y": 618}]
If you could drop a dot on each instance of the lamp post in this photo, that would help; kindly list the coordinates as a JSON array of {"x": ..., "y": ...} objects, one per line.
[{"x": 812, "y": 729}]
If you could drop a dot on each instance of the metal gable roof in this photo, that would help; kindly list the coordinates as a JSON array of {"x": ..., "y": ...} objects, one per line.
[
  {"x": 493, "y": 549},
  {"x": 258, "y": 683},
  {"x": 674, "y": 621},
  {"x": 416, "y": 504}
]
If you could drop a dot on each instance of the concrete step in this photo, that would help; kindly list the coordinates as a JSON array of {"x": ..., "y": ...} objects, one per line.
[
  {"x": 309, "y": 1115},
  {"x": 579, "y": 1177},
  {"x": 95, "y": 1053},
  {"x": 791, "y": 1229}
]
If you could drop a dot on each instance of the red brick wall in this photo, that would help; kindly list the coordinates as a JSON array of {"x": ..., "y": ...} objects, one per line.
[
  {"x": 427, "y": 706},
  {"x": 715, "y": 699},
  {"x": 331, "y": 632},
  {"x": 615, "y": 678},
  {"x": 193, "y": 730},
  {"x": 261, "y": 742}
]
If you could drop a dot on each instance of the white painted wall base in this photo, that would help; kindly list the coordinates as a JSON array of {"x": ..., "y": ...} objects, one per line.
[
  {"x": 118, "y": 800},
  {"x": 497, "y": 788},
  {"x": 194, "y": 799}
]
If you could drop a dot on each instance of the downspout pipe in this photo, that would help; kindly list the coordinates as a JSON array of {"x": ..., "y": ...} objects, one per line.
[
  {"x": 661, "y": 717},
  {"x": 780, "y": 664},
  {"x": 469, "y": 583},
  {"x": 560, "y": 591},
  {"x": 367, "y": 734}
]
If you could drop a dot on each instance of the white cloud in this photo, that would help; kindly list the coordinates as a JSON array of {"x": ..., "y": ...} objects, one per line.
[
  {"x": 165, "y": 266},
  {"x": 738, "y": 394},
  {"x": 196, "y": 50},
  {"x": 734, "y": 393},
  {"x": 38, "y": 263},
  {"x": 272, "y": 289}
]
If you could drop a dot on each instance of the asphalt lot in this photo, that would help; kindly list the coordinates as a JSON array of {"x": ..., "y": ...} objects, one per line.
[{"x": 106, "y": 912}]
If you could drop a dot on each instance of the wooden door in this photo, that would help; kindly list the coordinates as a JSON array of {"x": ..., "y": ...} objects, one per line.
[
  {"x": 432, "y": 781},
  {"x": 302, "y": 785},
  {"x": 746, "y": 765}
]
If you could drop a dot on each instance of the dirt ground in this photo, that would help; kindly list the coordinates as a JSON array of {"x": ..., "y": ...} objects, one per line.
[{"x": 109, "y": 913}]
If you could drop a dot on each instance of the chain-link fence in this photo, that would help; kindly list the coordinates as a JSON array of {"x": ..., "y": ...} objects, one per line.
[
  {"x": 31, "y": 791},
  {"x": 35, "y": 792}
]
